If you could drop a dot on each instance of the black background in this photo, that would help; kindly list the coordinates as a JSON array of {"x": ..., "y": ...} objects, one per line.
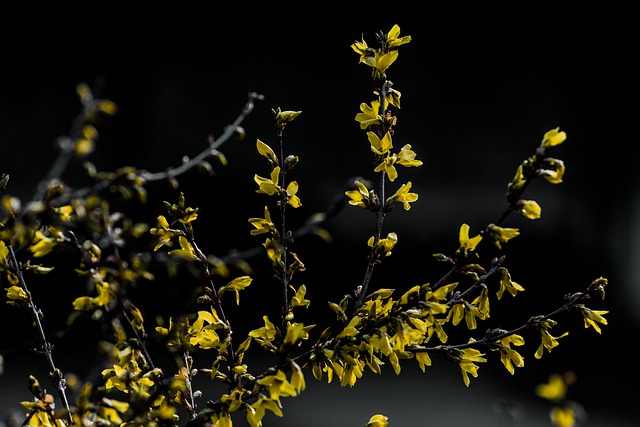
[{"x": 477, "y": 96}]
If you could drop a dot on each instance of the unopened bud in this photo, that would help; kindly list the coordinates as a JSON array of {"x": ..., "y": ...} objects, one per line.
[{"x": 290, "y": 161}]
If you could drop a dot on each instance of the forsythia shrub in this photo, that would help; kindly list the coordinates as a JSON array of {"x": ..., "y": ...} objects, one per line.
[{"x": 152, "y": 363}]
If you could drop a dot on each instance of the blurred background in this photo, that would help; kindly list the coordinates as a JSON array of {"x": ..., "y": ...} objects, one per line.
[{"x": 478, "y": 94}]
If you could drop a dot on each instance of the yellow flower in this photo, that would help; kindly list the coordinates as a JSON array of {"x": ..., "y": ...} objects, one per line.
[
  {"x": 292, "y": 199},
  {"x": 407, "y": 158},
  {"x": 163, "y": 232},
  {"x": 221, "y": 420},
  {"x": 203, "y": 331},
  {"x": 258, "y": 409},
  {"x": 186, "y": 250},
  {"x": 274, "y": 250},
  {"x": 384, "y": 60},
  {"x": 369, "y": 115},
  {"x": 403, "y": 196},
  {"x": 548, "y": 341},
  {"x": 509, "y": 358},
  {"x": 378, "y": 420},
  {"x": 518, "y": 180},
  {"x": 593, "y": 317},
  {"x": 501, "y": 235},
  {"x": 266, "y": 334},
  {"x": 266, "y": 152},
  {"x": 283, "y": 117},
  {"x": 393, "y": 97},
  {"x": 297, "y": 377},
  {"x": 262, "y": 225},
  {"x": 465, "y": 360},
  {"x": 471, "y": 312},
  {"x": 482, "y": 302},
  {"x": 554, "y": 390},
  {"x": 233, "y": 401},
  {"x": 296, "y": 332},
  {"x": 506, "y": 284},
  {"x": 42, "y": 244},
  {"x": 384, "y": 246},
  {"x": 299, "y": 300},
  {"x": 4, "y": 254},
  {"x": 423, "y": 360},
  {"x": 64, "y": 212},
  {"x": 277, "y": 385},
  {"x": 359, "y": 197},
  {"x": 236, "y": 285},
  {"x": 553, "y": 137},
  {"x": 387, "y": 165},
  {"x": 366, "y": 53},
  {"x": 529, "y": 209},
  {"x": 380, "y": 146},
  {"x": 16, "y": 293},
  {"x": 555, "y": 172},
  {"x": 86, "y": 142},
  {"x": 104, "y": 297},
  {"x": 563, "y": 416},
  {"x": 466, "y": 243},
  {"x": 393, "y": 41},
  {"x": 269, "y": 186}
]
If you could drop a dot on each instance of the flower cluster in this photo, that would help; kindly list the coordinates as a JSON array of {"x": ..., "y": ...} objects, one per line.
[{"x": 154, "y": 362}]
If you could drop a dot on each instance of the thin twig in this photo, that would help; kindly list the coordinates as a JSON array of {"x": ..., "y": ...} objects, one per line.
[{"x": 55, "y": 374}]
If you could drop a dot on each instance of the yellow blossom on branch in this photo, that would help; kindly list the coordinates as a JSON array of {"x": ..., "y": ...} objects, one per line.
[
  {"x": 64, "y": 212},
  {"x": 105, "y": 295},
  {"x": 186, "y": 251},
  {"x": 269, "y": 185},
  {"x": 593, "y": 317},
  {"x": 482, "y": 302},
  {"x": 529, "y": 209},
  {"x": 380, "y": 146},
  {"x": 236, "y": 285},
  {"x": 163, "y": 232},
  {"x": 203, "y": 331},
  {"x": 554, "y": 170},
  {"x": 384, "y": 246},
  {"x": 506, "y": 284},
  {"x": 16, "y": 295},
  {"x": 266, "y": 334},
  {"x": 387, "y": 165},
  {"x": 378, "y": 420},
  {"x": 508, "y": 356},
  {"x": 466, "y": 243},
  {"x": 283, "y": 117},
  {"x": 262, "y": 225},
  {"x": 393, "y": 38},
  {"x": 563, "y": 416},
  {"x": 549, "y": 342},
  {"x": 555, "y": 389},
  {"x": 277, "y": 385},
  {"x": 553, "y": 137},
  {"x": 298, "y": 299},
  {"x": 466, "y": 358},
  {"x": 359, "y": 197},
  {"x": 292, "y": 199},
  {"x": 407, "y": 157},
  {"x": 370, "y": 115},
  {"x": 402, "y": 195},
  {"x": 257, "y": 411},
  {"x": 43, "y": 243},
  {"x": 499, "y": 235},
  {"x": 266, "y": 152},
  {"x": 274, "y": 250}
]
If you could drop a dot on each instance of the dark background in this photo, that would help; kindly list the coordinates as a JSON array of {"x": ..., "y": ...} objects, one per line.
[{"x": 477, "y": 96}]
